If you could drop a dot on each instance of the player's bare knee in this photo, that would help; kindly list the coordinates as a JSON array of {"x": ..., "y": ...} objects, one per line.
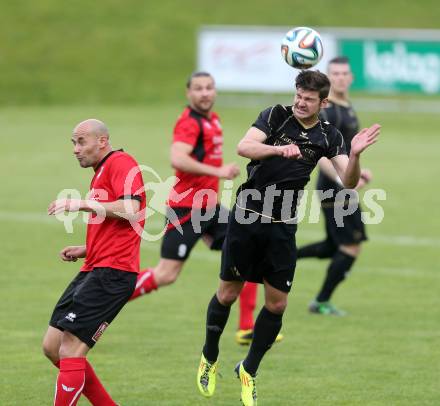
[
  {"x": 353, "y": 249},
  {"x": 227, "y": 294},
  {"x": 72, "y": 346},
  {"x": 276, "y": 306},
  {"x": 65, "y": 351},
  {"x": 51, "y": 344},
  {"x": 50, "y": 350},
  {"x": 227, "y": 298}
]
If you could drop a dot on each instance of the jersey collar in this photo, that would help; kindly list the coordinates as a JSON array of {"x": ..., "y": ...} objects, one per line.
[
  {"x": 305, "y": 126},
  {"x": 208, "y": 117},
  {"x": 105, "y": 158}
]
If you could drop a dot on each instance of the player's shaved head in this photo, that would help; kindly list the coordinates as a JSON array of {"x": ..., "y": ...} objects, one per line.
[
  {"x": 91, "y": 126},
  {"x": 91, "y": 142}
]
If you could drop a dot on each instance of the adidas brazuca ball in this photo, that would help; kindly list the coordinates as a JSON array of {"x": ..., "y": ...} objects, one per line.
[{"x": 302, "y": 47}]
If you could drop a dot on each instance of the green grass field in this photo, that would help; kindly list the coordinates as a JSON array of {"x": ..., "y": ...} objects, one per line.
[{"x": 384, "y": 353}]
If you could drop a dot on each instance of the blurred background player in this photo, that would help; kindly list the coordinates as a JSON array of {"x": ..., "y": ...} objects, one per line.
[
  {"x": 284, "y": 145},
  {"x": 197, "y": 157},
  {"x": 342, "y": 244},
  {"x": 108, "y": 276}
]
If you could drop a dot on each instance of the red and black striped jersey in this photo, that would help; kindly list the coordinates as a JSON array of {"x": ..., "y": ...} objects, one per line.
[{"x": 205, "y": 135}]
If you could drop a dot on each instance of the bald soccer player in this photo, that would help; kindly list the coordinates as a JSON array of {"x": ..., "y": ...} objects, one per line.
[{"x": 108, "y": 276}]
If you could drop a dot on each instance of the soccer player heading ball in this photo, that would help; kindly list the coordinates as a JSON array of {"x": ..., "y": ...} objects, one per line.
[{"x": 284, "y": 145}]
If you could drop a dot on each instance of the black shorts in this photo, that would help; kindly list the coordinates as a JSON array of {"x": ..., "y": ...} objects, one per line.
[
  {"x": 353, "y": 230},
  {"x": 91, "y": 301},
  {"x": 177, "y": 244},
  {"x": 257, "y": 251}
]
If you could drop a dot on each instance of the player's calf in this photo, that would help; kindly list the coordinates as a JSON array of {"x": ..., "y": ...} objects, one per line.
[{"x": 167, "y": 271}]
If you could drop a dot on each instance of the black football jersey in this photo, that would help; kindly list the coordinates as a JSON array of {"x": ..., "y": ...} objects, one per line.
[
  {"x": 281, "y": 174},
  {"x": 346, "y": 121}
]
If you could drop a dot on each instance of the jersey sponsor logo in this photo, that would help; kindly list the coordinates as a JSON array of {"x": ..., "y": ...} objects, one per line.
[
  {"x": 67, "y": 388},
  {"x": 100, "y": 331},
  {"x": 217, "y": 150},
  {"x": 71, "y": 317},
  {"x": 283, "y": 139},
  {"x": 309, "y": 155},
  {"x": 217, "y": 124},
  {"x": 217, "y": 139},
  {"x": 99, "y": 195}
]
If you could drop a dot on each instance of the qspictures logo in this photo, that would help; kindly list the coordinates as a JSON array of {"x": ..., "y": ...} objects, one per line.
[{"x": 280, "y": 205}]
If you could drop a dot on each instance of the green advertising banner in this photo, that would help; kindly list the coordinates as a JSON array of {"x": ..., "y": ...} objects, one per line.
[{"x": 394, "y": 65}]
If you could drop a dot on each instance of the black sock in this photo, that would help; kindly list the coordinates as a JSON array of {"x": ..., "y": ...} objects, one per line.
[
  {"x": 216, "y": 318},
  {"x": 322, "y": 249},
  {"x": 267, "y": 326},
  {"x": 336, "y": 272}
]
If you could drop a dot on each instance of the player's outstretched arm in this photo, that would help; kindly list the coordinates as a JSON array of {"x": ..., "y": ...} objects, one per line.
[
  {"x": 182, "y": 160},
  {"x": 349, "y": 169},
  {"x": 252, "y": 146},
  {"x": 123, "y": 208},
  {"x": 127, "y": 209},
  {"x": 329, "y": 170}
]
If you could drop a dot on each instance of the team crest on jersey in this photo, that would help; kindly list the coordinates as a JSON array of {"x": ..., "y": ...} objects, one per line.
[
  {"x": 98, "y": 194},
  {"x": 100, "y": 331}
]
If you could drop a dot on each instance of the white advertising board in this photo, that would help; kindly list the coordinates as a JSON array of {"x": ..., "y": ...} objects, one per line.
[{"x": 249, "y": 59}]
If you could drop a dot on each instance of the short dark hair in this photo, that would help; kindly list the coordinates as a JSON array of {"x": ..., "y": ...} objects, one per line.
[
  {"x": 313, "y": 80},
  {"x": 198, "y": 74},
  {"x": 340, "y": 60}
]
